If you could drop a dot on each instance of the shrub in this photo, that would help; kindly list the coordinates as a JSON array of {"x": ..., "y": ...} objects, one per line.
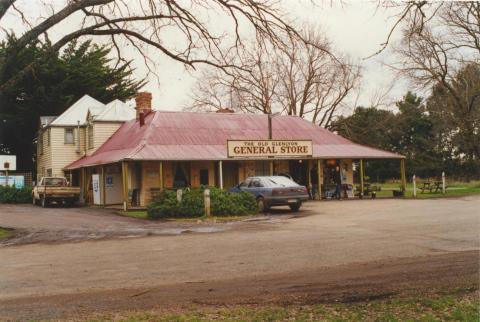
[
  {"x": 163, "y": 206},
  {"x": 9, "y": 194},
  {"x": 222, "y": 203},
  {"x": 192, "y": 204}
]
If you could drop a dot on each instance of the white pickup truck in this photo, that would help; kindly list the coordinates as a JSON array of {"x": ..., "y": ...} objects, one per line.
[{"x": 54, "y": 189}]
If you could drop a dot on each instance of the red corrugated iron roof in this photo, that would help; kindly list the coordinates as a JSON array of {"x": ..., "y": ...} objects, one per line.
[{"x": 203, "y": 136}]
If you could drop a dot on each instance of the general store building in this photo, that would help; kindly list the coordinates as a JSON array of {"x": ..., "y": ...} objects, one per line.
[{"x": 168, "y": 150}]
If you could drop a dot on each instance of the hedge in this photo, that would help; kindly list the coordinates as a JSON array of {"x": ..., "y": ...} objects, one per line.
[
  {"x": 10, "y": 194},
  {"x": 222, "y": 203}
]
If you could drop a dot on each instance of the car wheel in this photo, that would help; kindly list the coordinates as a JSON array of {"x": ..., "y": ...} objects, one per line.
[
  {"x": 261, "y": 204},
  {"x": 44, "y": 202},
  {"x": 295, "y": 206}
]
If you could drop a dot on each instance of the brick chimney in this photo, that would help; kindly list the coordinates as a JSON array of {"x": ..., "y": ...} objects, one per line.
[
  {"x": 143, "y": 101},
  {"x": 225, "y": 110}
]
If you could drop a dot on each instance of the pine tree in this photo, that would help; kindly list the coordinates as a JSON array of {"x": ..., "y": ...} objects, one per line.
[{"x": 57, "y": 81}]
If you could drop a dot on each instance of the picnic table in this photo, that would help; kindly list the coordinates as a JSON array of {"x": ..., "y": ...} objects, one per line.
[
  {"x": 435, "y": 186},
  {"x": 368, "y": 190}
]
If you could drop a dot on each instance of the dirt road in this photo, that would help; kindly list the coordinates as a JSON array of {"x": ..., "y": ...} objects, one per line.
[{"x": 339, "y": 250}]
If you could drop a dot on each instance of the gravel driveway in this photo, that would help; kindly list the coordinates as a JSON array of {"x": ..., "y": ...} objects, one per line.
[
  {"x": 35, "y": 224},
  {"x": 357, "y": 248}
]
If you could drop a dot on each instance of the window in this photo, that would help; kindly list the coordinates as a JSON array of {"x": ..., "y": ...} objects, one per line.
[
  {"x": 40, "y": 142},
  {"x": 246, "y": 183},
  {"x": 69, "y": 136},
  {"x": 255, "y": 184},
  {"x": 54, "y": 182},
  {"x": 90, "y": 136},
  {"x": 281, "y": 181}
]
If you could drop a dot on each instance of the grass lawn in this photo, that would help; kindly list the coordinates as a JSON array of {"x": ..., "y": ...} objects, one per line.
[
  {"x": 455, "y": 189},
  {"x": 438, "y": 308},
  {"x": 142, "y": 214},
  {"x": 5, "y": 233}
]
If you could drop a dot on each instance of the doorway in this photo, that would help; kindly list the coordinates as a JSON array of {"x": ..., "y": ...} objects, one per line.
[{"x": 299, "y": 171}]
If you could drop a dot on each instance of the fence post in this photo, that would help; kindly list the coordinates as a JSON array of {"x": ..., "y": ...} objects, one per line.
[
  {"x": 179, "y": 195},
  {"x": 443, "y": 182},
  {"x": 206, "y": 195},
  {"x": 414, "y": 186}
]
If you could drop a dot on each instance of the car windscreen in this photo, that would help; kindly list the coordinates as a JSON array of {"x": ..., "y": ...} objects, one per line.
[
  {"x": 54, "y": 182},
  {"x": 278, "y": 181}
]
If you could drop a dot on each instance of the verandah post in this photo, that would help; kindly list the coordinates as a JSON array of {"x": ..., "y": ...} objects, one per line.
[
  {"x": 361, "y": 178},
  {"x": 319, "y": 175},
  {"x": 104, "y": 198},
  {"x": 125, "y": 185},
  {"x": 160, "y": 173},
  {"x": 84, "y": 184}
]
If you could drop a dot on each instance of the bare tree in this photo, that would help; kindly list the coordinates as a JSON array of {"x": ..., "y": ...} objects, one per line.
[
  {"x": 301, "y": 79},
  {"x": 442, "y": 56},
  {"x": 433, "y": 54},
  {"x": 314, "y": 84},
  {"x": 143, "y": 24},
  {"x": 251, "y": 89}
]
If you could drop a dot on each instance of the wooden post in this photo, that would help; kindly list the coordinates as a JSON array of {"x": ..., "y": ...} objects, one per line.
[
  {"x": 414, "y": 181},
  {"x": 319, "y": 174},
  {"x": 220, "y": 174},
  {"x": 404, "y": 178},
  {"x": 104, "y": 198},
  {"x": 206, "y": 195},
  {"x": 270, "y": 164},
  {"x": 84, "y": 184},
  {"x": 160, "y": 173},
  {"x": 443, "y": 182},
  {"x": 361, "y": 178},
  {"x": 125, "y": 185}
]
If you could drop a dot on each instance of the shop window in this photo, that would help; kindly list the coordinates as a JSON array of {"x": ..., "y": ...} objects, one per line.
[
  {"x": 204, "y": 177},
  {"x": 180, "y": 179},
  {"x": 69, "y": 136}
]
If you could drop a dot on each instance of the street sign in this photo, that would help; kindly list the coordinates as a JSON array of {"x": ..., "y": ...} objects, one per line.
[{"x": 8, "y": 162}]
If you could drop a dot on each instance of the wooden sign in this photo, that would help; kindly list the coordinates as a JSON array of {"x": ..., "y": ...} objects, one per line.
[{"x": 269, "y": 148}]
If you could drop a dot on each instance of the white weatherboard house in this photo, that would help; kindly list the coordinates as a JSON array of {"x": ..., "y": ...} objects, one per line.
[{"x": 78, "y": 132}]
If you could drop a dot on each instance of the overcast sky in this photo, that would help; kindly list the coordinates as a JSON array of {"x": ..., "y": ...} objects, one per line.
[{"x": 356, "y": 28}]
